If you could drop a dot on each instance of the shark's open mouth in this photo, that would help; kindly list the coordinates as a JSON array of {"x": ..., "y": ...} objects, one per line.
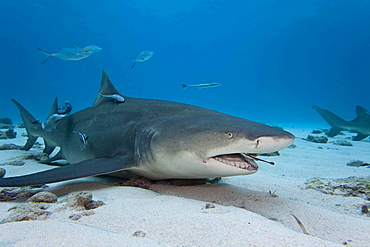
[
  {"x": 237, "y": 160},
  {"x": 242, "y": 160}
]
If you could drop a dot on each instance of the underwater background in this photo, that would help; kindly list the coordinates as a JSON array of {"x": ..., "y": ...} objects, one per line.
[{"x": 274, "y": 58}]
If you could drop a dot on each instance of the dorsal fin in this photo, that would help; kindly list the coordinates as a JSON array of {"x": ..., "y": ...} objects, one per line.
[
  {"x": 106, "y": 88},
  {"x": 361, "y": 113},
  {"x": 54, "y": 107}
]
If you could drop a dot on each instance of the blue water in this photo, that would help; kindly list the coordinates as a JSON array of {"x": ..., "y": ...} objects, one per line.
[{"x": 274, "y": 58}]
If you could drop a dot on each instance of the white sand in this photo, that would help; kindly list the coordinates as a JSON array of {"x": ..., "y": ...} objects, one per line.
[{"x": 245, "y": 213}]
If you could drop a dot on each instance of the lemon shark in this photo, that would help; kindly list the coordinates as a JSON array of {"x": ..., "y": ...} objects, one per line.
[
  {"x": 360, "y": 125},
  {"x": 155, "y": 139}
]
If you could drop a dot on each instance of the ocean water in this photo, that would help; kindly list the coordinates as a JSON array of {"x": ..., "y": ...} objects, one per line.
[{"x": 274, "y": 58}]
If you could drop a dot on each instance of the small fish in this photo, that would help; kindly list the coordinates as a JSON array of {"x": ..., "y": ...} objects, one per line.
[
  {"x": 143, "y": 56},
  {"x": 83, "y": 138},
  {"x": 51, "y": 122},
  {"x": 67, "y": 54},
  {"x": 67, "y": 108},
  {"x": 200, "y": 86},
  {"x": 115, "y": 97}
]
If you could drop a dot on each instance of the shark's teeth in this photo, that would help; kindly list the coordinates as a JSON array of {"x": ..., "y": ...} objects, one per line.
[{"x": 237, "y": 160}]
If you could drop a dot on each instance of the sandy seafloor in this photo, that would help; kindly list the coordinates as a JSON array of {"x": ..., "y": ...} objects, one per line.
[{"x": 245, "y": 213}]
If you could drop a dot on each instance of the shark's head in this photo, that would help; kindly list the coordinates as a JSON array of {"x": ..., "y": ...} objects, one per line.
[{"x": 213, "y": 145}]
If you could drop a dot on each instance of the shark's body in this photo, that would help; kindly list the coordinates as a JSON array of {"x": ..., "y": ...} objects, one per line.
[
  {"x": 151, "y": 138},
  {"x": 360, "y": 125}
]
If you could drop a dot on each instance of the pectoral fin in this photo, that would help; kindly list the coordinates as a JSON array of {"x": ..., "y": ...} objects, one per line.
[
  {"x": 360, "y": 137},
  {"x": 334, "y": 131},
  {"x": 86, "y": 168}
]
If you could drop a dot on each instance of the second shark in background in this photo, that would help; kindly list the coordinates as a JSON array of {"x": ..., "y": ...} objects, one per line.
[{"x": 360, "y": 125}]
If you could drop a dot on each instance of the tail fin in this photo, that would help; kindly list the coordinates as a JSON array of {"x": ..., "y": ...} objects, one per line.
[
  {"x": 48, "y": 55},
  {"x": 184, "y": 85},
  {"x": 335, "y": 121},
  {"x": 33, "y": 126},
  {"x": 133, "y": 65}
]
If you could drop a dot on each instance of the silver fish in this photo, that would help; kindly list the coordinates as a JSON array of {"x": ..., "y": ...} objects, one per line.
[
  {"x": 67, "y": 54},
  {"x": 143, "y": 56},
  {"x": 200, "y": 86},
  {"x": 115, "y": 97}
]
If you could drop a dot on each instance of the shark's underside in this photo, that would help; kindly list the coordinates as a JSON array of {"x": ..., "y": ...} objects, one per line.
[{"x": 151, "y": 138}]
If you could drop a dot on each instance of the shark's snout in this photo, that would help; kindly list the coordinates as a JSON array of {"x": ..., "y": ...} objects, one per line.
[
  {"x": 243, "y": 142},
  {"x": 267, "y": 144}
]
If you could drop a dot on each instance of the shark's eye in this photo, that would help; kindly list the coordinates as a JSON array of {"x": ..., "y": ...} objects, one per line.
[{"x": 229, "y": 134}]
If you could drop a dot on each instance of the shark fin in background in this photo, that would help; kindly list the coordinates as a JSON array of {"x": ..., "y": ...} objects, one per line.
[
  {"x": 332, "y": 119},
  {"x": 334, "y": 131},
  {"x": 362, "y": 114},
  {"x": 360, "y": 137}
]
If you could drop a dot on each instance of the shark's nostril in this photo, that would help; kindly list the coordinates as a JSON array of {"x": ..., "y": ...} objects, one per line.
[
  {"x": 229, "y": 134},
  {"x": 258, "y": 142}
]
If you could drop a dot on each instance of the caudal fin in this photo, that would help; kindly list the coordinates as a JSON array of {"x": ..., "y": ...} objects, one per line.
[
  {"x": 335, "y": 121},
  {"x": 48, "y": 55},
  {"x": 133, "y": 65},
  {"x": 33, "y": 126}
]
